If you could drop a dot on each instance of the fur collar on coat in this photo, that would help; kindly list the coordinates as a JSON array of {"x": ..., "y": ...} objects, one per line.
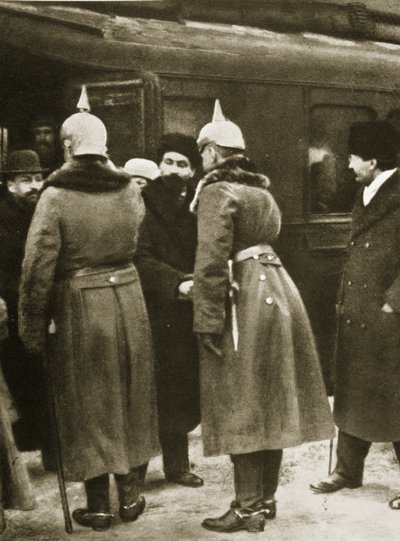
[
  {"x": 88, "y": 174},
  {"x": 238, "y": 169}
]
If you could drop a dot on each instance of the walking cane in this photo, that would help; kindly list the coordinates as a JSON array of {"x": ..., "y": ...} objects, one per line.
[{"x": 55, "y": 435}]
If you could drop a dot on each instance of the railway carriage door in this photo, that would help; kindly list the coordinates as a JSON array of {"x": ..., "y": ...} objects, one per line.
[{"x": 130, "y": 110}]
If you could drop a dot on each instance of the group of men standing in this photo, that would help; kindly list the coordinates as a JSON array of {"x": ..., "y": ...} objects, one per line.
[{"x": 227, "y": 335}]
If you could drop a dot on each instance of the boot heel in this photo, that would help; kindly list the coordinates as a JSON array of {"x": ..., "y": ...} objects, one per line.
[{"x": 255, "y": 523}]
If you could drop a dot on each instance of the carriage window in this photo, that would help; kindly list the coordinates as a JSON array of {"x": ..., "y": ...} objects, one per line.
[{"x": 332, "y": 184}]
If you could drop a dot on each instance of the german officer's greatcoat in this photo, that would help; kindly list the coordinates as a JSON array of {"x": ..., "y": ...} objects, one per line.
[
  {"x": 270, "y": 393},
  {"x": 78, "y": 272}
]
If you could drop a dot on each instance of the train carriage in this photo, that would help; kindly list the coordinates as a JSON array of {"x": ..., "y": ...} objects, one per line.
[{"x": 294, "y": 94}]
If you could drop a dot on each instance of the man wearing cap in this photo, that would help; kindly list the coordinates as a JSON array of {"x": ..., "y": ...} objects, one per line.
[
  {"x": 165, "y": 258},
  {"x": 23, "y": 372},
  {"x": 261, "y": 383},
  {"x": 367, "y": 398},
  {"x": 141, "y": 171}
]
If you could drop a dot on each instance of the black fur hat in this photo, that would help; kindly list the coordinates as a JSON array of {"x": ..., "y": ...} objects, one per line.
[
  {"x": 179, "y": 142},
  {"x": 374, "y": 139}
]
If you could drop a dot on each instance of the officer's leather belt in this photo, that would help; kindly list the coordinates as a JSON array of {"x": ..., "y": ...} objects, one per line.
[
  {"x": 86, "y": 271},
  {"x": 264, "y": 252}
]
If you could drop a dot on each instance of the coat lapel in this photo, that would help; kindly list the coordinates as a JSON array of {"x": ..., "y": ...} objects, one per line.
[{"x": 385, "y": 201}]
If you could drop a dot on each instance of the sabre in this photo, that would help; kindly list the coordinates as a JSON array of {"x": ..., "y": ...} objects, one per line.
[
  {"x": 233, "y": 289},
  {"x": 55, "y": 432}
]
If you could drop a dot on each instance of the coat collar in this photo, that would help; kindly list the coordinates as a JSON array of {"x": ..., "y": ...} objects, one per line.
[
  {"x": 88, "y": 175},
  {"x": 237, "y": 169},
  {"x": 385, "y": 201},
  {"x": 163, "y": 202}
]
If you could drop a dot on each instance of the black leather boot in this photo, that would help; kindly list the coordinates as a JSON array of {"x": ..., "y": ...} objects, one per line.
[
  {"x": 250, "y": 518},
  {"x": 97, "y": 514},
  {"x": 130, "y": 513},
  {"x": 129, "y": 486},
  {"x": 98, "y": 521}
]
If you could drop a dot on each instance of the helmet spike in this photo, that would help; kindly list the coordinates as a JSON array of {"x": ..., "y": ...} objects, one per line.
[
  {"x": 83, "y": 103},
  {"x": 218, "y": 115}
]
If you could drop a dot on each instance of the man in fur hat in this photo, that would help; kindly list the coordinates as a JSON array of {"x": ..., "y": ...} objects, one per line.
[
  {"x": 165, "y": 259},
  {"x": 367, "y": 399},
  {"x": 23, "y": 372},
  {"x": 261, "y": 383}
]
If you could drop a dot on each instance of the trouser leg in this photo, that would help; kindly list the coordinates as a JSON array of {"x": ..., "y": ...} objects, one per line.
[
  {"x": 130, "y": 485},
  {"x": 351, "y": 453},
  {"x": 175, "y": 448},
  {"x": 396, "y": 445},
  {"x": 248, "y": 478},
  {"x": 97, "y": 493},
  {"x": 272, "y": 464}
]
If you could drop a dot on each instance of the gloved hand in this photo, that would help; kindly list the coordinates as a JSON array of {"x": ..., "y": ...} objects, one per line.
[{"x": 211, "y": 342}]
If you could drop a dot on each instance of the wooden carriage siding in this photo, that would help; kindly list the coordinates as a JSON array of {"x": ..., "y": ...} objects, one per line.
[{"x": 286, "y": 89}]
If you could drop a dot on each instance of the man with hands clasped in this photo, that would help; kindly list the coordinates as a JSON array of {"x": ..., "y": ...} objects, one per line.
[{"x": 165, "y": 259}]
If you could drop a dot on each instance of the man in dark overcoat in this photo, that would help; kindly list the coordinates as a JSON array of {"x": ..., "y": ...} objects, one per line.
[
  {"x": 367, "y": 398},
  {"x": 165, "y": 259},
  {"x": 23, "y": 372}
]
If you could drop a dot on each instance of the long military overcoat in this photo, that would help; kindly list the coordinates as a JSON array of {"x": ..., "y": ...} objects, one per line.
[
  {"x": 78, "y": 272},
  {"x": 367, "y": 389},
  {"x": 165, "y": 258},
  {"x": 270, "y": 393}
]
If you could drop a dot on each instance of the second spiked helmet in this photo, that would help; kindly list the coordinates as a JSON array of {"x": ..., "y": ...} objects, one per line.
[
  {"x": 221, "y": 131},
  {"x": 83, "y": 132}
]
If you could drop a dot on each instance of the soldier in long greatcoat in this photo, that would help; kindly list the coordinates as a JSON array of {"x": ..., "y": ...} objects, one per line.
[
  {"x": 261, "y": 383},
  {"x": 367, "y": 396},
  {"x": 78, "y": 280},
  {"x": 165, "y": 260}
]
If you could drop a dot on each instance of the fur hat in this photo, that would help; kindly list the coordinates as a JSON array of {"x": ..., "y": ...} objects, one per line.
[
  {"x": 374, "y": 139},
  {"x": 184, "y": 144}
]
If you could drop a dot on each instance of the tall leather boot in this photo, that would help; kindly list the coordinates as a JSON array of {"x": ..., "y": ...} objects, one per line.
[
  {"x": 129, "y": 486},
  {"x": 97, "y": 514}
]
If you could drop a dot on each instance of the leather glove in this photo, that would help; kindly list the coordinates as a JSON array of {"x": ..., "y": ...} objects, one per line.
[{"x": 211, "y": 342}]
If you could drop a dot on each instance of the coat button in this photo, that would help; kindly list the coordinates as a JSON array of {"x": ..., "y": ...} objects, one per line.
[
  {"x": 365, "y": 286},
  {"x": 269, "y": 300},
  {"x": 270, "y": 257},
  {"x": 112, "y": 279},
  {"x": 348, "y": 321},
  {"x": 367, "y": 245},
  {"x": 262, "y": 277},
  {"x": 349, "y": 283},
  {"x": 363, "y": 326},
  {"x": 255, "y": 256},
  {"x": 352, "y": 243}
]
